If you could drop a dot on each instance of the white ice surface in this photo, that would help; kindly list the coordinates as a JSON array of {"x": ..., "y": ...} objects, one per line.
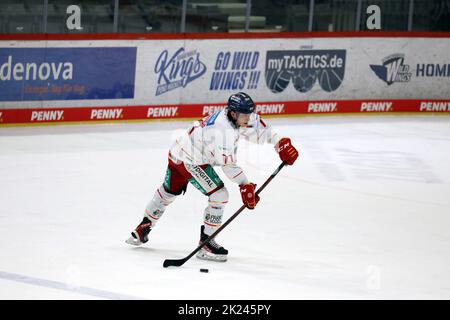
[{"x": 363, "y": 214}]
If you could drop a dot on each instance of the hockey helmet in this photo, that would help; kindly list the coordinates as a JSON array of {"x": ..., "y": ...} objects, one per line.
[{"x": 241, "y": 102}]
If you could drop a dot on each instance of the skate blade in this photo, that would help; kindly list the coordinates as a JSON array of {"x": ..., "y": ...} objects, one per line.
[
  {"x": 205, "y": 255},
  {"x": 133, "y": 241}
]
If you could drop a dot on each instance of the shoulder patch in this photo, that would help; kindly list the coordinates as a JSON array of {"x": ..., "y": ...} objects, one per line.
[{"x": 213, "y": 118}]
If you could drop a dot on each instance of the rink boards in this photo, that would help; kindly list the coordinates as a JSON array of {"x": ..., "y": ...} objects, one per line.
[{"x": 55, "y": 79}]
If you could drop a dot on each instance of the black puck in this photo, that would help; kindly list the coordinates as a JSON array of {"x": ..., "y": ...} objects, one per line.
[{"x": 204, "y": 270}]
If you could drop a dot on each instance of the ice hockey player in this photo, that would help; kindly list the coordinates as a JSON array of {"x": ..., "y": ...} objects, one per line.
[{"x": 209, "y": 143}]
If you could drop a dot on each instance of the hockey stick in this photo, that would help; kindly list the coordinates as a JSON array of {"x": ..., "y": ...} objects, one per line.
[{"x": 180, "y": 262}]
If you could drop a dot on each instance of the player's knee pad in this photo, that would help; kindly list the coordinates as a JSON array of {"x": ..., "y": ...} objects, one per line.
[
  {"x": 164, "y": 197},
  {"x": 219, "y": 198},
  {"x": 156, "y": 207}
]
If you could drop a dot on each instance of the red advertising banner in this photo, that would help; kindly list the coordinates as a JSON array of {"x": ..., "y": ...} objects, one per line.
[{"x": 289, "y": 108}]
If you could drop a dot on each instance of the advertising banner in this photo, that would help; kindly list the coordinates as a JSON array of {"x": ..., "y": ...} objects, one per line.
[
  {"x": 30, "y": 74},
  {"x": 168, "y": 79}
]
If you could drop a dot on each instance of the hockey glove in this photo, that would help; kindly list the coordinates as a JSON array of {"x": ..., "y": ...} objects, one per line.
[
  {"x": 249, "y": 198},
  {"x": 286, "y": 151}
]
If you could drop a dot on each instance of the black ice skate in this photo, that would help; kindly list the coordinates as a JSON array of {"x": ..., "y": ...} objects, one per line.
[
  {"x": 140, "y": 234},
  {"x": 212, "y": 250}
]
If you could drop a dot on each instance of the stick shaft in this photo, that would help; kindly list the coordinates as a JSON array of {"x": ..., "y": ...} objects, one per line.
[{"x": 180, "y": 262}]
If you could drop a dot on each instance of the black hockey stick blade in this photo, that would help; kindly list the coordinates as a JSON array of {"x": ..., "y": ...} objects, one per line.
[
  {"x": 180, "y": 262},
  {"x": 174, "y": 262}
]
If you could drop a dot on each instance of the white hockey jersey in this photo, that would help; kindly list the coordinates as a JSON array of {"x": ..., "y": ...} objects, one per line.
[{"x": 214, "y": 140}]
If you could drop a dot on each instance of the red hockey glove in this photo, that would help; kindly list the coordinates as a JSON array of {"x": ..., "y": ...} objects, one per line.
[
  {"x": 249, "y": 198},
  {"x": 286, "y": 151}
]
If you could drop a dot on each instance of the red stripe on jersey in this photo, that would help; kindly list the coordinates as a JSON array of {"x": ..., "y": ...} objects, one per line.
[
  {"x": 160, "y": 194},
  {"x": 218, "y": 188},
  {"x": 150, "y": 215},
  {"x": 217, "y": 202},
  {"x": 262, "y": 122},
  {"x": 237, "y": 174},
  {"x": 211, "y": 225}
]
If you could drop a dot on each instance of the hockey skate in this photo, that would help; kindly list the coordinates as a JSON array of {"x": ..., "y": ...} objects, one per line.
[
  {"x": 140, "y": 234},
  {"x": 212, "y": 250}
]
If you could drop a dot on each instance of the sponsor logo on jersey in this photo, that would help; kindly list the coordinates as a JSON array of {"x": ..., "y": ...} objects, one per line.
[
  {"x": 322, "y": 107},
  {"x": 429, "y": 106},
  {"x": 161, "y": 112},
  {"x": 199, "y": 173},
  {"x": 213, "y": 219},
  {"x": 177, "y": 70},
  {"x": 102, "y": 114},
  {"x": 376, "y": 107},
  {"x": 54, "y": 115},
  {"x": 393, "y": 69},
  {"x": 201, "y": 177},
  {"x": 157, "y": 213},
  {"x": 304, "y": 68},
  {"x": 269, "y": 108}
]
